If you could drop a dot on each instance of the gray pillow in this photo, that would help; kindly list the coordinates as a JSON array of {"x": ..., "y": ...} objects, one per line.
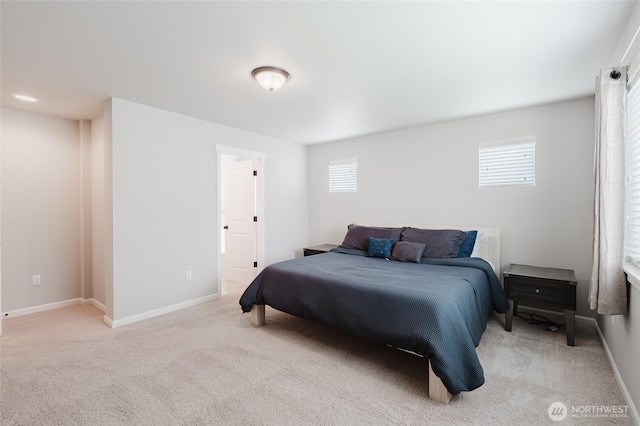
[
  {"x": 441, "y": 243},
  {"x": 406, "y": 251},
  {"x": 358, "y": 236}
]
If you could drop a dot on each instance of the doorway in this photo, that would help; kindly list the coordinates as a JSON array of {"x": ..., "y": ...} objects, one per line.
[{"x": 240, "y": 218}]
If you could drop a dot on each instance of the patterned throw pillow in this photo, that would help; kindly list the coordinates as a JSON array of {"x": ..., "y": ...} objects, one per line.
[{"x": 380, "y": 247}]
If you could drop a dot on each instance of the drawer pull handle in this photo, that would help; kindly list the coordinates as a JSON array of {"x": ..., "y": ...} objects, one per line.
[{"x": 537, "y": 290}]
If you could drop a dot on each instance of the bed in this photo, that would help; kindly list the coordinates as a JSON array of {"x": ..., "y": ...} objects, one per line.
[{"x": 435, "y": 307}]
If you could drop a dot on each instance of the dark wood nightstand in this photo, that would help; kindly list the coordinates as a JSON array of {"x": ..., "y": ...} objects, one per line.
[
  {"x": 322, "y": 248},
  {"x": 545, "y": 288}
]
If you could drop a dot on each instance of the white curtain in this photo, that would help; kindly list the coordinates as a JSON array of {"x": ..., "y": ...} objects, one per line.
[{"x": 608, "y": 287}]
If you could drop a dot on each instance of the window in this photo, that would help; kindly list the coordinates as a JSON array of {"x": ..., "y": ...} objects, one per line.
[
  {"x": 632, "y": 231},
  {"x": 505, "y": 163},
  {"x": 343, "y": 176}
]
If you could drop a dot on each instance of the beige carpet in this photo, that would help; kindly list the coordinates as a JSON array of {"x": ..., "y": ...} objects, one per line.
[{"x": 208, "y": 365}]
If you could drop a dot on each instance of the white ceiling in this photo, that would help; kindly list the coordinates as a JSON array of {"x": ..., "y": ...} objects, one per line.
[{"x": 356, "y": 67}]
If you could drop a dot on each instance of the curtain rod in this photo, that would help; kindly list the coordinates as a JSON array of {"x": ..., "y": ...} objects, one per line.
[{"x": 615, "y": 74}]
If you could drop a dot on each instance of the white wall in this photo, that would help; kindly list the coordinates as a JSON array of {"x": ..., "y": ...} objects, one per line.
[
  {"x": 40, "y": 209},
  {"x": 429, "y": 175},
  {"x": 97, "y": 194},
  {"x": 622, "y": 336},
  {"x": 164, "y": 205},
  {"x": 86, "y": 260}
]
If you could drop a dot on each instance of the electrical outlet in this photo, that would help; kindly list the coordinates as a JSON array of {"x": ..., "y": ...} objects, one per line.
[
  {"x": 189, "y": 275},
  {"x": 36, "y": 280}
]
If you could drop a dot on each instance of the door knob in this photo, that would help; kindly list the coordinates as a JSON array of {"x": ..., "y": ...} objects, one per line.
[{"x": 225, "y": 227}]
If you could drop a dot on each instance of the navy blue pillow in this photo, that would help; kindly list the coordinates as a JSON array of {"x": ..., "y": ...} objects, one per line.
[
  {"x": 466, "y": 248},
  {"x": 380, "y": 247}
]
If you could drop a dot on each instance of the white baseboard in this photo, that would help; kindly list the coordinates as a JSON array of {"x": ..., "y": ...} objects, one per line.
[
  {"x": 41, "y": 308},
  {"x": 157, "y": 312},
  {"x": 625, "y": 392},
  {"x": 101, "y": 307},
  {"x": 93, "y": 302},
  {"x": 50, "y": 306},
  {"x": 107, "y": 321}
]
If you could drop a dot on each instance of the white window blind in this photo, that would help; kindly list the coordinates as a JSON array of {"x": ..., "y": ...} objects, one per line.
[
  {"x": 504, "y": 163},
  {"x": 632, "y": 232},
  {"x": 343, "y": 176}
]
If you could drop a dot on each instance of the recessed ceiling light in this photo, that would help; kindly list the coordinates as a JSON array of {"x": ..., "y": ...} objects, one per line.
[{"x": 25, "y": 98}]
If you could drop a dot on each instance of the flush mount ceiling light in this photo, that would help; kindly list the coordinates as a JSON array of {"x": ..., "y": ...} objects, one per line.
[
  {"x": 271, "y": 78},
  {"x": 25, "y": 98}
]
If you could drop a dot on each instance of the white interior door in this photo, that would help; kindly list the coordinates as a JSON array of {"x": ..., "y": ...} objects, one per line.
[{"x": 240, "y": 227}]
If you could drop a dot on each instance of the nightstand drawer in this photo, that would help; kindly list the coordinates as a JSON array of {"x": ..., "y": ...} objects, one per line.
[{"x": 538, "y": 290}]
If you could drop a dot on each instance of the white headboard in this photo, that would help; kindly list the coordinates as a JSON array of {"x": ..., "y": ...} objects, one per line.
[{"x": 490, "y": 245}]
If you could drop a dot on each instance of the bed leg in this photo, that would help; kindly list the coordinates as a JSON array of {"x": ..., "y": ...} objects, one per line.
[
  {"x": 437, "y": 391},
  {"x": 257, "y": 315}
]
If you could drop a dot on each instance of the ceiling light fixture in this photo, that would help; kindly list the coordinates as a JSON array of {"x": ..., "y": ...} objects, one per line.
[
  {"x": 271, "y": 78},
  {"x": 25, "y": 98}
]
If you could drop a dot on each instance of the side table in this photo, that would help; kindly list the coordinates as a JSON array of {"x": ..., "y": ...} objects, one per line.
[
  {"x": 322, "y": 248},
  {"x": 545, "y": 288}
]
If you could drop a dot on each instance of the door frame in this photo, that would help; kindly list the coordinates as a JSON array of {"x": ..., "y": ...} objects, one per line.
[{"x": 260, "y": 205}]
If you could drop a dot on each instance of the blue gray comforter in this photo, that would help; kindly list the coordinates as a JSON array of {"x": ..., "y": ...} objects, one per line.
[{"x": 437, "y": 308}]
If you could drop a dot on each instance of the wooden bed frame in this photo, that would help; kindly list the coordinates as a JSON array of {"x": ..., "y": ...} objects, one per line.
[{"x": 489, "y": 250}]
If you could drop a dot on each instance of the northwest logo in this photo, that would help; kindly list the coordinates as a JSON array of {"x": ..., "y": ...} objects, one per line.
[{"x": 557, "y": 411}]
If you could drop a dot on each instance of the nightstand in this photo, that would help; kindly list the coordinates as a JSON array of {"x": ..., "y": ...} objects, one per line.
[
  {"x": 322, "y": 248},
  {"x": 545, "y": 288}
]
